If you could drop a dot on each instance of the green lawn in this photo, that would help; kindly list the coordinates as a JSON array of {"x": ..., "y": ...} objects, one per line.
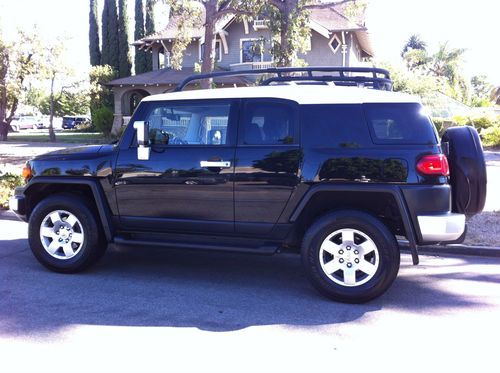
[{"x": 63, "y": 137}]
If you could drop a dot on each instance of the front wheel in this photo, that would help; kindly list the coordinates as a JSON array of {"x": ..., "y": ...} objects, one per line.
[
  {"x": 64, "y": 234},
  {"x": 350, "y": 256}
]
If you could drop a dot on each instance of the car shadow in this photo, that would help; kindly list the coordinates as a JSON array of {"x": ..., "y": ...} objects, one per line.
[{"x": 174, "y": 288}]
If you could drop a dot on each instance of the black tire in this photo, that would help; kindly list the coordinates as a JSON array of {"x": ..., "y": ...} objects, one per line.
[
  {"x": 93, "y": 246},
  {"x": 386, "y": 247},
  {"x": 467, "y": 170}
]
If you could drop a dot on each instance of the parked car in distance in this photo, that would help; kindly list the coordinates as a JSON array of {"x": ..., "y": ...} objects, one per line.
[
  {"x": 70, "y": 122},
  {"x": 25, "y": 123}
]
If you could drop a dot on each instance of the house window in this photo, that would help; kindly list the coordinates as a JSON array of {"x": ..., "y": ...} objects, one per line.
[
  {"x": 251, "y": 50},
  {"x": 218, "y": 51},
  {"x": 335, "y": 43}
]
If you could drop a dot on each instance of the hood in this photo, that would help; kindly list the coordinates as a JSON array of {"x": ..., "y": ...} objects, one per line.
[{"x": 79, "y": 150}]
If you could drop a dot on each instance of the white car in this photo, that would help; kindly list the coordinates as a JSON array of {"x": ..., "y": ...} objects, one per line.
[{"x": 27, "y": 122}]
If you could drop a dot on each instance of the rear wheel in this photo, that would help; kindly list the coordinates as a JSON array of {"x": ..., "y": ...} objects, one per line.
[
  {"x": 64, "y": 235},
  {"x": 350, "y": 256}
]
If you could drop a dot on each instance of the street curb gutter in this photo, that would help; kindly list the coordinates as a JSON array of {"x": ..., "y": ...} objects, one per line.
[{"x": 485, "y": 251}]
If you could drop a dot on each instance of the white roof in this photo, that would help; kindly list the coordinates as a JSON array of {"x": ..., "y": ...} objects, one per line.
[{"x": 302, "y": 94}]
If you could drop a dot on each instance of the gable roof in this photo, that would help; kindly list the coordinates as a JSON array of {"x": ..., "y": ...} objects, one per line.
[{"x": 324, "y": 21}]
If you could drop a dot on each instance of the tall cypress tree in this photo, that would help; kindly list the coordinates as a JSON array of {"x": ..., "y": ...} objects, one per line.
[
  {"x": 94, "y": 47},
  {"x": 140, "y": 55},
  {"x": 150, "y": 29},
  {"x": 110, "y": 46},
  {"x": 124, "y": 64}
]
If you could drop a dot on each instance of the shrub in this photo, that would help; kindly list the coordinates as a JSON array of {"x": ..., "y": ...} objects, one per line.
[
  {"x": 491, "y": 136},
  {"x": 8, "y": 183},
  {"x": 102, "y": 118},
  {"x": 442, "y": 124}
]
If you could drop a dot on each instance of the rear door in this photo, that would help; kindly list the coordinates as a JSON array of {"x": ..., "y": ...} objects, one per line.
[
  {"x": 268, "y": 158},
  {"x": 186, "y": 185}
]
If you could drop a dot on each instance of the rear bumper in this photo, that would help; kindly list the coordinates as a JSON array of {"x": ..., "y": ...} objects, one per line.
[{"x": 441, "y": 228}]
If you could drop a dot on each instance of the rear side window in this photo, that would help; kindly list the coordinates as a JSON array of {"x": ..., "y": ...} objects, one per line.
[
  {"x": 334, "y": 126},
  {"x": 399, "y": 123},
  {"x": 268, "y": 123}
]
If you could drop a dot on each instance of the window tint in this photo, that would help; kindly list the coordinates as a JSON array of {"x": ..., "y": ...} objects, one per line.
[
  {"x": 399, "y": 124},
  {"x": 334, "y": 126},
  {"x": 268, "y": 123},
  {"x": 188, "y": 124}
]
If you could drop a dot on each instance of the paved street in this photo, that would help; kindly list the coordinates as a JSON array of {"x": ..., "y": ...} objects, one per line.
[{"x": 152, "y": 310}]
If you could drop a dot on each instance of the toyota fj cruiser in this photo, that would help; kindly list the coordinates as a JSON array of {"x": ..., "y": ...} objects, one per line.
[{"x": 327, "y": 162}]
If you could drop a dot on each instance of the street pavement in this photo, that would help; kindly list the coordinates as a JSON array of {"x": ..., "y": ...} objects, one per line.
[{"x": 154, "y": 310}]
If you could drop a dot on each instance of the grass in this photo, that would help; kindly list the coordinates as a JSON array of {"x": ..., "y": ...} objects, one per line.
[{"x": 65, "y": 137}]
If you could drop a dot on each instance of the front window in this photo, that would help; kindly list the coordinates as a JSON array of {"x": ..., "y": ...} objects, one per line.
[
  {"x": 188, "y": 124},
  {"x": 252, "y": 50}
]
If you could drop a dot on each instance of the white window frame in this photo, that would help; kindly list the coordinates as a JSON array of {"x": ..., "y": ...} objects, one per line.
[
  {"x": 334, "y": 37},
  {"x": 242, "y": 40},
  {"x": 219, "y": 59}
]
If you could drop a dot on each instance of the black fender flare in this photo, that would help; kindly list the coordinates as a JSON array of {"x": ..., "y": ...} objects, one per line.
[
  {"x": 99, "y": 197},
  {"x": 394, "y": 190}
]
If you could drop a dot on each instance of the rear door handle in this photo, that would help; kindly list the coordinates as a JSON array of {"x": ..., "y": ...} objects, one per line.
[{"x": 218, "y": 164}]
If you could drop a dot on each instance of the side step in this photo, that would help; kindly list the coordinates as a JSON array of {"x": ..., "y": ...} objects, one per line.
[{"x": 261, "y": 250}]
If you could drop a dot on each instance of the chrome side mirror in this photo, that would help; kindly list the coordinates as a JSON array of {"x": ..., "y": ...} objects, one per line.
[{"x": 143, "y": 149}]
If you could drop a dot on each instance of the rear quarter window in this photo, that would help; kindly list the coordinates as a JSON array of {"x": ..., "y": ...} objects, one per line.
[
  {"x": 334, "y": 126},
  {"x": 399, "y": 123}
]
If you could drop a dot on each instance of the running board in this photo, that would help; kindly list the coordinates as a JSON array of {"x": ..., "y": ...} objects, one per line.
[{"x": 261, "y": 250}]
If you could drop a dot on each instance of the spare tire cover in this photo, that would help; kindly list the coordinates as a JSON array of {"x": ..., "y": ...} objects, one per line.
[{"x": 467, "y": 170}]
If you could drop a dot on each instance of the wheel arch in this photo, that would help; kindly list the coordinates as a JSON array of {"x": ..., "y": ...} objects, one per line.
[
  {"x": 384, "y": 202},
  {"x": 40, "y": 187}
]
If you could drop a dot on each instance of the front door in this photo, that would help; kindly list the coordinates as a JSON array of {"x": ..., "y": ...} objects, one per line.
[{"x": 186, "y": 185}]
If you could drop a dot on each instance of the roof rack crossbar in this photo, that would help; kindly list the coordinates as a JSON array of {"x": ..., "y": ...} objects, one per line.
[{"x": 380, "y": 78}]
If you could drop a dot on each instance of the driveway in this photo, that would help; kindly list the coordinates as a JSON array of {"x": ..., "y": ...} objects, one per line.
[{"x": 153, "y": 310}]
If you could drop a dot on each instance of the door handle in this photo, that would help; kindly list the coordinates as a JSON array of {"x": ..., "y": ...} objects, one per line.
[{"x": 217, "y": 164}]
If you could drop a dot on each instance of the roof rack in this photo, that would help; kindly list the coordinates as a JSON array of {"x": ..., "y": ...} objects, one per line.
[{"x": 373, "y": 77}]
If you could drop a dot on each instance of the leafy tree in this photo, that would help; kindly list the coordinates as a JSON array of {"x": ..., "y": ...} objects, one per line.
[
  {"x": 110, "y": 45},
  {"x": 150, "y": 29},
  {"x": 288, "y": 22},
  {"x": 140, "y": 56},
  {"x": 125, "y": 64},
  {"x": 54, "y": 69},
  {"x": 94, "y": 47},
  {"x": 19, "y": 62},
  {"x": 66, "y": 103},
  {"x": 101, "y": 97}
]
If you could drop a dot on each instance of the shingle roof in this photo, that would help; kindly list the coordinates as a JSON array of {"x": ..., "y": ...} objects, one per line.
[
  {"x": 169, "y": 76},
  {"x": 334, "y": 20}
]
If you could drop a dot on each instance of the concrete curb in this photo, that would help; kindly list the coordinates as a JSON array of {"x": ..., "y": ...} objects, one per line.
[{"x": 485, "y": 251}]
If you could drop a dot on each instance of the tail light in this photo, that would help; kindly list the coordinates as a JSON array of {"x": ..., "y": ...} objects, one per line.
[{"x": 434, "y": 164}]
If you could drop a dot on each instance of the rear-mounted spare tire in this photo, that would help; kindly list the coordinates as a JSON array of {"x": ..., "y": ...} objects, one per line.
[{"x": 467, "y": 170}]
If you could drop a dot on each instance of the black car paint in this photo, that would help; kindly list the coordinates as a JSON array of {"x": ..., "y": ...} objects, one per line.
[{"x": 259, "y": 196}]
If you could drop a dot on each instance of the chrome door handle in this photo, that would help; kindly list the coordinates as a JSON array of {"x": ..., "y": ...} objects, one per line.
[{"x": 218, "y": 164}]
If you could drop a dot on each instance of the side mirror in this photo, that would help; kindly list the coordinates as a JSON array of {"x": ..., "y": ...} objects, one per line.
[{"x": 143, "y": 149}]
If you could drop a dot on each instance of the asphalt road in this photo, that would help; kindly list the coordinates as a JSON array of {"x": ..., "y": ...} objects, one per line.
[{"x": 152, "y": 310}]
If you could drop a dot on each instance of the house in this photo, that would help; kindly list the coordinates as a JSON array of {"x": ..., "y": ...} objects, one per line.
[{"x": 335, "y": 40}]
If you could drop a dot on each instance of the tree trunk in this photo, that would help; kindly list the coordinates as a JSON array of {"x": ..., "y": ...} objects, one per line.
[
  {"x": 207, "y": 64},
  {"x": 52, "y": 135}
]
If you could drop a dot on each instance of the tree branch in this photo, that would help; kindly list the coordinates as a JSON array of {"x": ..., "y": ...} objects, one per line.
[
  {"x": 238, "y": 12},
  {"x": 329, "y": 4}
]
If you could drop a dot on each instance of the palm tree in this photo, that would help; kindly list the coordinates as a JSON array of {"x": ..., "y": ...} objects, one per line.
[
  {"x": 495, "y": 95},
  {"x": 414, "y": 42}
]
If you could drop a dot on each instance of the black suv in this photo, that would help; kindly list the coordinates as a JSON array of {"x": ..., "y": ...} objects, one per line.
[{"x": 322, "y": 161}]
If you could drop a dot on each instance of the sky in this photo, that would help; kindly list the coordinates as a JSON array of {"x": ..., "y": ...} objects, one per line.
[{"x": 463, "y": 24}]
